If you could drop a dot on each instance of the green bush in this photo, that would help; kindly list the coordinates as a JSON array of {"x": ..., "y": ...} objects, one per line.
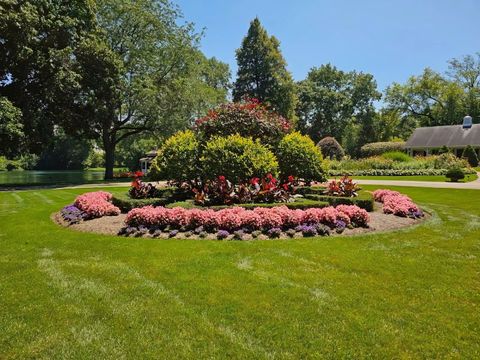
[
  {"x": 237, "y": 158},
  {"x": 126, "y": 203},
  {"x": 298, "y": 156},
  {"x": 455, "y": 174},
  {"x": 364, "y": 200},
  {"x": 3, "y": 163},
  {"x": 379, "y": 148},
  {"x": 470, "y": 155},
  {"x": 166, "y": 196},
  {"x": 397, "y": 156},
  {"x": 449, "y": 160},
  {"x": 300, "y": 203},
  {"x": 177, "y": 159},
  {"x": 28, "y": 161},
  {"x": 331, "y": 149}
]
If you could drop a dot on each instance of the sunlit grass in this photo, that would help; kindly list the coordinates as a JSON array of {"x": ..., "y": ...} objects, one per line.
[{"x": 408, "y": 294}]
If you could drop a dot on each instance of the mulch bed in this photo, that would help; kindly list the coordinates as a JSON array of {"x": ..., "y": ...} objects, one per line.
[{"x": 111, "y": 225}]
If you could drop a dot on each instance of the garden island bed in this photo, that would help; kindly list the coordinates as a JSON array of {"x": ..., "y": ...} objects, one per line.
[{"x": 94, "y": 212}]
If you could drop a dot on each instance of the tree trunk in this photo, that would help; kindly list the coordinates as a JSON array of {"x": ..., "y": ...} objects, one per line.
[{"x": 109, "y": 147}]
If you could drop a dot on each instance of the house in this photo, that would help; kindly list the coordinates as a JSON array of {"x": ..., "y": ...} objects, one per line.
[
  {"x": 428, "y": 140},
  {"x": 146, "y": 161}
]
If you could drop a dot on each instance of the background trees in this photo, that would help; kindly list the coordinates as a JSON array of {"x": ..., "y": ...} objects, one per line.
[
  {"x": 337, "y": 103},
  {"x": 262, "y": 72},
  {"x": 37, "y": 40},
  {"x": 104, "y": 70},
  {"x": 438, "y": 99}
]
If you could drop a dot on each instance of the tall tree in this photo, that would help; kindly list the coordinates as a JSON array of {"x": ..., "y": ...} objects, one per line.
[
  {"x": 142, "y": 72},
  {"x": 330, "y": 99},
  {"x": 262, "y": 72},
  {"x": 37, "y": 41},
  {"x": 11, "y": 129}
]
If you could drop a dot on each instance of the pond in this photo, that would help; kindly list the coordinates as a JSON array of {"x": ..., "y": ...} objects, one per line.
[{"x": 38, "y": 177}]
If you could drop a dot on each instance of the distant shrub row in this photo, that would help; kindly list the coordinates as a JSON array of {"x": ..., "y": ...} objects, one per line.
[{"x": 379, "y": 148}]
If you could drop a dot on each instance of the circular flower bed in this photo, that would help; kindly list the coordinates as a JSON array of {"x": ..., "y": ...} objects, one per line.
[{"x": 237, "y": 222}]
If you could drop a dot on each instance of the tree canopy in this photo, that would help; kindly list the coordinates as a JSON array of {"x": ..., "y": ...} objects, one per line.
[{"x": 262, "y": 72}]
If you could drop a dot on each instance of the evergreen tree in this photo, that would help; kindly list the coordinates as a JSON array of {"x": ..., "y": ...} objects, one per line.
[
  {"x": 470, "y": 155},
  {"x": 262, "y": 72}
]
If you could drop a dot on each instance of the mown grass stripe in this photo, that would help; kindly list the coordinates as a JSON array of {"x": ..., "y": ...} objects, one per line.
[
  {"x": 17, "y": 198},
  {"x": 43, "y": 197},
  {"x": 236, "y": 337}
]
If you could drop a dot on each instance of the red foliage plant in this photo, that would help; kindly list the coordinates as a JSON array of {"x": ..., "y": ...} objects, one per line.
[
  {"x": 343, "y": 187},
  {"x": 248, "y": 118}
]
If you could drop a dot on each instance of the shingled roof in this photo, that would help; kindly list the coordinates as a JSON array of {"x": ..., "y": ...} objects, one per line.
[{"x": 450, "y": 136}]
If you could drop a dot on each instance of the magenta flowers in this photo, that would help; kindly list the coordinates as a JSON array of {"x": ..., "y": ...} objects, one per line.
[
  {"x": 397, "y": 203},
  {"x": 96, "y": 204},
  {"x": 237, "y": 218}
]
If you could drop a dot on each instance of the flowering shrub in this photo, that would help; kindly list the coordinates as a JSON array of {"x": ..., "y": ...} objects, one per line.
[
  {"x": 397, "y": 204},
  {"x": 343, "y": 187},
  {"x": 248, "y": 119},
  {"x": 237, "y": 218},
  {"x": 96, "y": 204}
]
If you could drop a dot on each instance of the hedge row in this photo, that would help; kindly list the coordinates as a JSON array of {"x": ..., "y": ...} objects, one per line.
[
  {"x": 379, "y": 148},
  {"x": 364, "y": 200},
  {"x": 395, "y": 172},
  {"x": 301, "y": 203},
  {"x": 166, "y": 196}
]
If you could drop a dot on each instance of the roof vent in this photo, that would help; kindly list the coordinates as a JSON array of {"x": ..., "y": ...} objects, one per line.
[{"x": 467, "y": 122}]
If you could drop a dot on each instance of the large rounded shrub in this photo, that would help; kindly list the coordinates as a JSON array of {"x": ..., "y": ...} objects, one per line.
[
  {"x": 331, "y": 149},
  {"x": 298, "y": 156},
  {"x": 177, "y": 159},
  {"x": 248, "y": 119},
  {"x": 237, "y": 158}
]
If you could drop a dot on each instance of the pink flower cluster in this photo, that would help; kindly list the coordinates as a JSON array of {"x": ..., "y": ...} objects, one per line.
[
  {"x": 96, "y": 204},
  {"x": 237, "y": 218},
  {"x": 397, "y": 203}
]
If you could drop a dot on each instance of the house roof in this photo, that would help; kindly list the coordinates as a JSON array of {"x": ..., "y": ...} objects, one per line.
[{"x": 450, "y": 136}]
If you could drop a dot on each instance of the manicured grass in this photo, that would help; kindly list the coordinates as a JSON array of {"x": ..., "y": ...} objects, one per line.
[
  {"x": 436, "y": 178},
  {"x": 407, "y": 294}
]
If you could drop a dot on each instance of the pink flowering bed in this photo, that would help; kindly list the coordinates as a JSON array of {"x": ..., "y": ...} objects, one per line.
[
  {"x": 273, "y": 220},
  {"x": 397, "y": 204},
  {"x": 96, "y": 204}
]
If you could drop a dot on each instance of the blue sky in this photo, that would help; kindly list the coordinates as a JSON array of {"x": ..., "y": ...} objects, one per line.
[{"x": 390, "y": 39}]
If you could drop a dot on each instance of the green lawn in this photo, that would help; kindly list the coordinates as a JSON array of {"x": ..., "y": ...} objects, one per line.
[
  {"x": 408, "y": 294},
  {"x": 436, "y": 178}
]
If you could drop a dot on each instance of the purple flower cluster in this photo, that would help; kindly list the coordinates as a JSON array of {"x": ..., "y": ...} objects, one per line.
[
  {"x": 72, "y": 214},
  {"x": 222, "y": 234}
]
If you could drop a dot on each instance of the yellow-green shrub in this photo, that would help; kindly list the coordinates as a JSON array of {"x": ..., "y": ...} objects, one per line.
[
  {"x": 237, "y": 158},
  {"x": 177, "y": 159},
  {"x": 298, "y": 156}
]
